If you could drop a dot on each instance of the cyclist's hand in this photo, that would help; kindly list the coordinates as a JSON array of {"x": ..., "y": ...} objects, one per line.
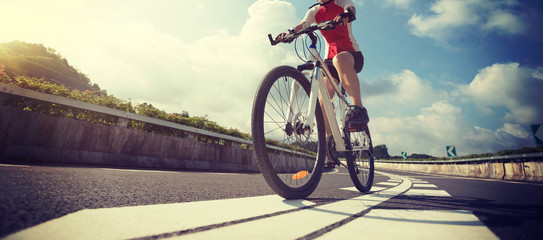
[
  {"x": 341, "y": 20},
  {"x": 345, "y": 17},
  {"x": 280, "y": 37}
]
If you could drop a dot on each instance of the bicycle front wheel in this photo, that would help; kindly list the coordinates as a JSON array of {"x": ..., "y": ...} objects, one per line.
[
  {"x": 360, "y": 159},
  {"x": 289, "y": 154}
]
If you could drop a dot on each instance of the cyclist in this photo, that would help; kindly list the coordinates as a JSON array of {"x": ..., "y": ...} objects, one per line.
[{"x": 344, "y": 58}]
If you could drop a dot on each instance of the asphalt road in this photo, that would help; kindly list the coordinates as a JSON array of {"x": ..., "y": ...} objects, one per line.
[{"x": 61, "y": 201}]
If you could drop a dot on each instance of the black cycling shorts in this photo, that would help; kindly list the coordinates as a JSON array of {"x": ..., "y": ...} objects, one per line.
[{"x": 358, "y": 64}]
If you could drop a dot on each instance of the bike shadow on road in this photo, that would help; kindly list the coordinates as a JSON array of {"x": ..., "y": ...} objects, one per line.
[{"x": 503, "y": 219}]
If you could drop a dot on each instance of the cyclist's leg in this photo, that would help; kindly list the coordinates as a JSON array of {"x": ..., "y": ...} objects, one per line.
[
  {"x": 345, "y": 65},
  {"x": 329, "y": 162},
  {"x": 331, "y": 93}
]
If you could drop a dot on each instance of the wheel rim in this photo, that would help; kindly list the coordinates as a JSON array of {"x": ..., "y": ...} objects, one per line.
[{"x": 293, "y": 168}]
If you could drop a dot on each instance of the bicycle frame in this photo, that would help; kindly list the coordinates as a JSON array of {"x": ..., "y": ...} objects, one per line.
[{"x": 318, "y": 90}]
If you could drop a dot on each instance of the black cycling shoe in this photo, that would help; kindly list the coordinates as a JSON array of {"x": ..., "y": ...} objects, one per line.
[{"x": 357, "y": 119}]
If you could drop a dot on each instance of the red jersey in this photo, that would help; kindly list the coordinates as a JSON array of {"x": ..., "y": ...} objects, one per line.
[{"x": 337, "y": 40}]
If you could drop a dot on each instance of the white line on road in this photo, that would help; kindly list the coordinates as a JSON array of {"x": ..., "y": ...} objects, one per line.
[
  {"x": 387, "y": 183},
  {"x": 300, "y": 223},
  {"x": 141, "y": 221},
  {"x": 413, "y": 224},
  {"x": 427, "y": 192},
  {"x": 136, "y": 170},
  {"x": 12, "y": 165},
  {"x": 424, "y": 185}
]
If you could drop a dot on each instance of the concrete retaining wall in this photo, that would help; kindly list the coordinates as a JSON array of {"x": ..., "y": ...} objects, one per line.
[
  {"x": 29, "y": 136},
  {"x": 531, "y": 171},
  {"x": 33, "y": 137}
]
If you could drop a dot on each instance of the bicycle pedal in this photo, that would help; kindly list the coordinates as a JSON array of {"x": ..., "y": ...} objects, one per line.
[{"x": 356, "y": 127}]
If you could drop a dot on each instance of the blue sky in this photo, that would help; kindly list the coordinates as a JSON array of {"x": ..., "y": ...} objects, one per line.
[{"x": 467, "y": 73}]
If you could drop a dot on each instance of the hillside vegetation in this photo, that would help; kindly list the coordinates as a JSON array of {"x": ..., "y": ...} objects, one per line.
[
  {"x": 35, "y": 60},
  {"x": 35, "y": 67}
]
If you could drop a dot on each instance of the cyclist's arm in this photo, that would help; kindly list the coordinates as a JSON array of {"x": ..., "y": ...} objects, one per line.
[{"x": 297, "y": 28}]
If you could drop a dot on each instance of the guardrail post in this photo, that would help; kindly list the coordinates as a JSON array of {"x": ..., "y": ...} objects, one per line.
[
  {"x": 122, "y": 122},
  {"x": 191, "y": 135}
]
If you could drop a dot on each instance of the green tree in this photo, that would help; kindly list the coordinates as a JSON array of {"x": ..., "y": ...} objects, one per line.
[{"x": 381, "y": 152}]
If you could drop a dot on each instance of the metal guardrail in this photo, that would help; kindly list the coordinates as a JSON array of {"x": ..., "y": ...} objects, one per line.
[
  {"x": 507, "y": 158},
  {"x": 124, "y": 116}
]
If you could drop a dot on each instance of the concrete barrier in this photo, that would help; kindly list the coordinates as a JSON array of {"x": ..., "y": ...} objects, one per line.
[
  {"x": 33, "y": 137},
  {"x": 531, "y": 171},
  {"x": 514, "y": 171}
]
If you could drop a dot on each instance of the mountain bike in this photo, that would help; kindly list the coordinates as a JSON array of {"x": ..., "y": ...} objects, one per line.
[{"x": 288, "y": 128}]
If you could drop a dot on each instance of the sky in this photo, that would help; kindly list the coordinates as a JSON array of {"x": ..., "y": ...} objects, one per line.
[{"x": 437, "y": 73}]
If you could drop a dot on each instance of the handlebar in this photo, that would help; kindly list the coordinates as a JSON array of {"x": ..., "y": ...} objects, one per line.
[{"x": 289, "y": 37}]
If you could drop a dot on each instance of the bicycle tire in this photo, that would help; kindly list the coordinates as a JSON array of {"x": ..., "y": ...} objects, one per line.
[
  {"x": 288, "y": 175},
  {"x": 360, "y": 162}
]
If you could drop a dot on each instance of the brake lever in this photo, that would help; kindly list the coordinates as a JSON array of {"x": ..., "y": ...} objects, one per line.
[{"x": 272, "y": 41}]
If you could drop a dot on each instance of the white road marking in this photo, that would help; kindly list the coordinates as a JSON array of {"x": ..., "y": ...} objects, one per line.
[
  {"x": 12, "y": 165},
  {"x": 427, "y": 192},
  {"x": 300, "y": 223},
  {"x": 395, "y": 180},
  {"x": 424, "y": 185},
  {"x": 420, "y": 181},
  {"x": 413, "y": 224},
  {"x": 387, "y": 183},
  {"x": 140, "y": 221},
  {"x": 136, "y": 170},
  {"x": 227, "y": 174}
]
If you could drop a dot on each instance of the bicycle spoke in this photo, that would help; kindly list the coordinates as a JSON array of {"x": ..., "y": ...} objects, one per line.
[{"x": 281, "y": 113}]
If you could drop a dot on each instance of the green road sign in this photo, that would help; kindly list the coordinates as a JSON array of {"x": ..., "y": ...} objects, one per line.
[
  {"x": 451, "y": 151},
  {"x": 537, "y": 131},
  {"x": 404, "y": 155}
]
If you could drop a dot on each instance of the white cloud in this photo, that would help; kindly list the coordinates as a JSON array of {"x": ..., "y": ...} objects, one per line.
[
  {"x": 401, "y": 4},
  {"x": 400, "y": 94},
  {"x": 449, "y": 15},
  {"x": 440, "y": 125},
  {"x": 438, "y": 122},
  {"x": 428, "y": 132},
  {"x": 509, "y": 86},
  {"x": 218, "y": 74},
  {"x": 504, "y": 22},
  {"x": 452, "y": 18},
  {"x": 514, "y": 130},
  {"x": 358, "y": 3}
]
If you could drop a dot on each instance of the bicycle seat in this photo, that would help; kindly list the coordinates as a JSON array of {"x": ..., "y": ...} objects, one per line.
[{"x": 306, "y": 66}]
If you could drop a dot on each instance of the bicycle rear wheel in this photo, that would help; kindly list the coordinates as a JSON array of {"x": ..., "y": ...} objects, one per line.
[
  {"x": 293, "y": 167},
  {"x": 360, "y": 159}
]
